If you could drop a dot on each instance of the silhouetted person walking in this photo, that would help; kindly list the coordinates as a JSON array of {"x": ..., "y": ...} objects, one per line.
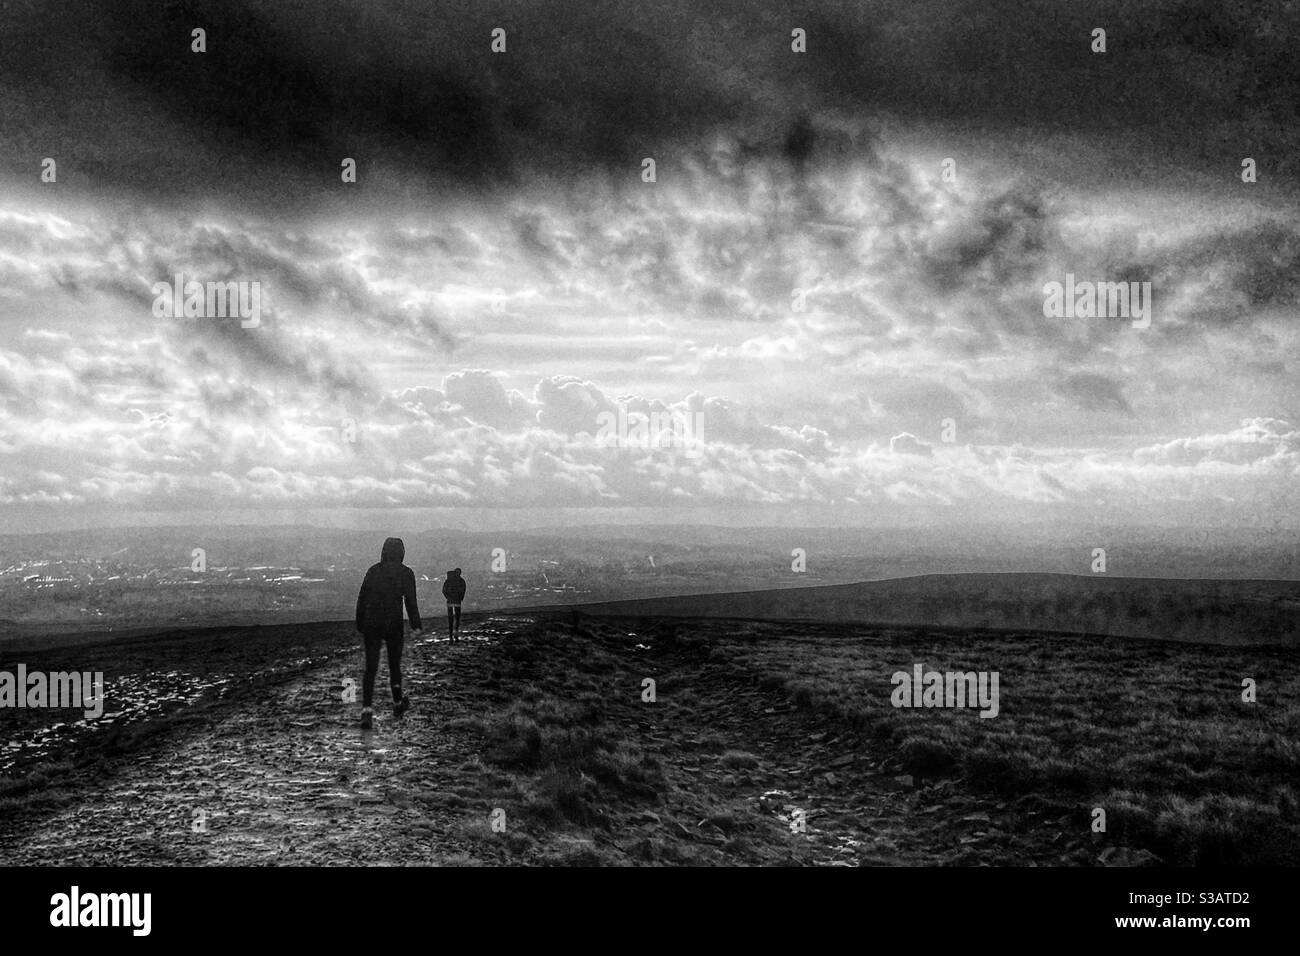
[
  {"x": 387, "y": 586},
  {"x": 453, "y": 589}
]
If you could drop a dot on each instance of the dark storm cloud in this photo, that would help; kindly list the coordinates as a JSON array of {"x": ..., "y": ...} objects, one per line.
[
  {"x": 411, "y": 89},
  {"x": 272, "y": 354},
  {"x": 1093, "y": 392},
  {"x": 1003, "y": 241},
  {"x": 304, "y": 277},
  {"x": 1258, "y": 267},
  {"x": 1221, "y": 278}
]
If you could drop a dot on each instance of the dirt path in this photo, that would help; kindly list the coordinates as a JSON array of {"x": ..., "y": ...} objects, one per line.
[{"x": 285, "y": 777}]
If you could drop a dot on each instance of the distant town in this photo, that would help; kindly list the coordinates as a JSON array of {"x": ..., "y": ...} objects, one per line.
[{"x": 143, "y": 578}]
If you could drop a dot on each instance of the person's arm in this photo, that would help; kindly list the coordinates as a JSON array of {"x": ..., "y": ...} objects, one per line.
[
  {"x": 361, "y": 601},
  {"x": 412, "y": 610}
]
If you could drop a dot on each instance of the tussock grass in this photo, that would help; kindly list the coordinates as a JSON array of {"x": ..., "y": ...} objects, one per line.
[
  {"x": 557, "y": 741},
  {"x": 1156, "y": 733}
]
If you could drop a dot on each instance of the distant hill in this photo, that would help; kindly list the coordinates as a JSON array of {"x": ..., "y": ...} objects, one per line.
[{"x": 1201, "y": 611}]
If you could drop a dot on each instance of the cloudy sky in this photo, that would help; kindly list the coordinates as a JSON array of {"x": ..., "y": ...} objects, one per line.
[{"x": 859, "y": 339}]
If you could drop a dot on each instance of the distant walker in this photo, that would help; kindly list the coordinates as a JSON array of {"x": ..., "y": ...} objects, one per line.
[{"x": 453, "y": 589}]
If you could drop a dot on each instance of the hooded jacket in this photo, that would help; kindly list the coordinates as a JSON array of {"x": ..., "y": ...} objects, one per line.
[
  {"x": 453, "y": 589},
  {"x": 387, "y": 586}
]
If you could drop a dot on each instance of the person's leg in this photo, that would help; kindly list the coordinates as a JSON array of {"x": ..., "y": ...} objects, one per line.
[
  {"x": 457, "y": 626},
  {"x": 372, "y": 642},
  {"x": 401, "y": 702},
  {"x": 451, "y": 622},
  {"x": 394, "y": 641}
]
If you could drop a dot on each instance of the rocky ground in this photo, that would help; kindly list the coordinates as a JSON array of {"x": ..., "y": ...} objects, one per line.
[{"x": 530, "y": 742}]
